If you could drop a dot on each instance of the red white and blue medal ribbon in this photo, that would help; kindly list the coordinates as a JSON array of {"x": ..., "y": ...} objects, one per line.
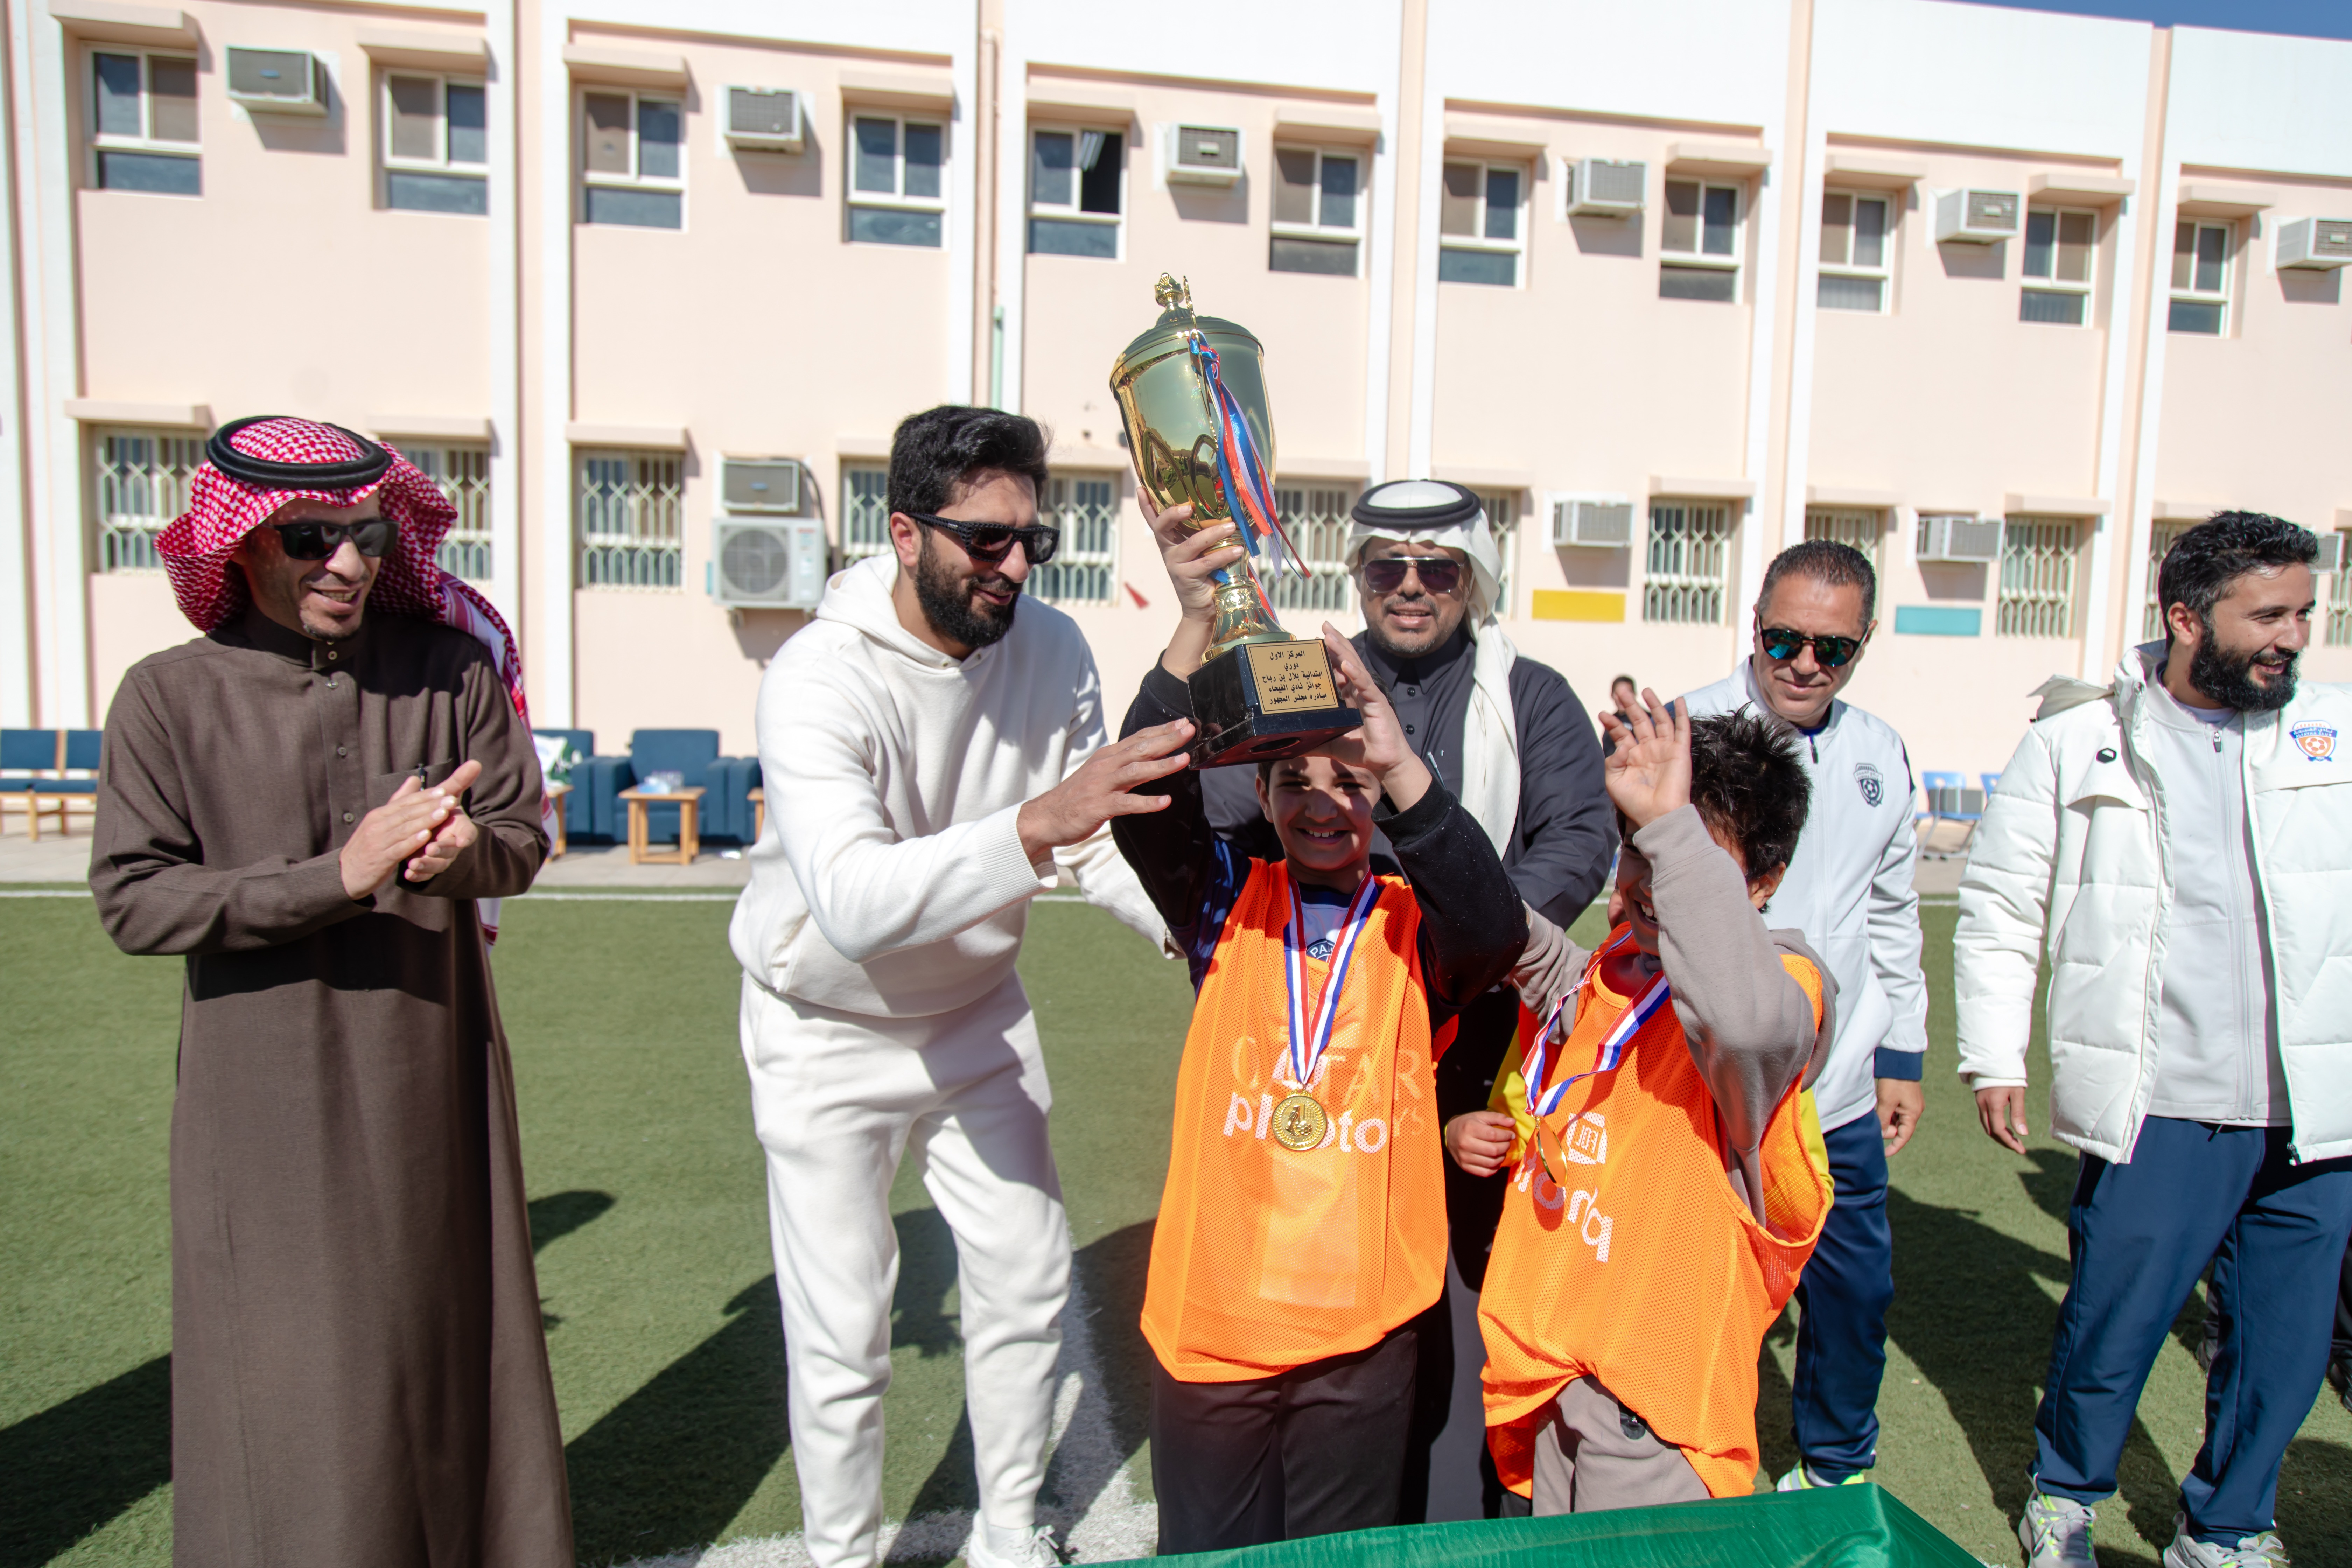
[
  {"x": 1310, "y": 1036},
  {"x": 1543, "y": 1100}
]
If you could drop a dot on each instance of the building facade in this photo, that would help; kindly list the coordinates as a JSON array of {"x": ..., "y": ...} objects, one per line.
[{"x": 2003, "y": 298}]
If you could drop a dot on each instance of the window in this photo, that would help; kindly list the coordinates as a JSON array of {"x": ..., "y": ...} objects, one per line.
[
  {"x": 630, "y": 508},
  {"x": 1860, "y": 527},
  {"x": 2159, "y": 544},
  {"x": 2339, "y": 597},
  {"x": 865, "y": 510},
  {"x": 1074, "y": 192},
  {"x": 436, "y": 133},
  {"x": 1688, "y": 559},
  {"x": 1503, "y": 518},
  {"x": 631, "y": 161},
  {"x": 2200, "y": 277},
  {"x": 143, "y": 484},
  {"x": 2058, "y": 250},
  {"x": 1480, "y": 221},
  {"x": 1700, "y": 233},
  {"x": 1318, "y": 209},
  {"x": 895, "y": 190},
  {"x": 2037, "y": 577},
  {"x": 1085, "y": 566},
  {"x": 1855, "y": 253},
  {"x": 1317, "y": 520},
  {"x": 143, "y": 118},
  {"x": 463, "y": 474}
]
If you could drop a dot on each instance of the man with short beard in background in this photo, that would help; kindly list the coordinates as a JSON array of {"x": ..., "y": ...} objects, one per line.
[
  {"x": 2180, "y": 842},
  {"x": 933, "y": 757}
]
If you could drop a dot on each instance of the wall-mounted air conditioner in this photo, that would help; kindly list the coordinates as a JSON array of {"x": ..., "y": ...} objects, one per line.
[
  {"x": 763, "y": 119},
  {"x": 1205, "y": 155},
  {"x": 2331, "y": 552},
  {"x": 277, "y": 81},
  {"x": 2317, "y": 244},
  {"x": 760, "y": 484},
  {"x": 1978, "y": 217},
  {"x": 1603, "y": 187},
  {"x": 768, "y": 565},
  {"x": 1959, "y": 538},
  {"x": 1593, "y": 524}
]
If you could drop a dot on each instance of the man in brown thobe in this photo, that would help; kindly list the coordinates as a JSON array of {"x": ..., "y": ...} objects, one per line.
[{"x": 308, "y": 801}]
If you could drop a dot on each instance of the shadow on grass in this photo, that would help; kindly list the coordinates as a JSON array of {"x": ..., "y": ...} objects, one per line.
[
  {"x": 74, "y": 1467},
  {"x": 558, "y": 1215}
]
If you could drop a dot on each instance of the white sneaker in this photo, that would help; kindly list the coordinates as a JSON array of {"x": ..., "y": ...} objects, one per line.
[
  {"x": 2264, "y": 1550},
  {"x": 2055, "y": 1531},
  {"x": 1035, "y": 1549}
]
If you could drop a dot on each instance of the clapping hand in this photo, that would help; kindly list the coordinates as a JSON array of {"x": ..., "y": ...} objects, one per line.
[
  {"x": 1649, "y": 767},
  {"x": 423, "y": 827}
]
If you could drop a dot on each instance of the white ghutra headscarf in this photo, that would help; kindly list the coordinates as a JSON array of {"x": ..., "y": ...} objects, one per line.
[{"x": 1435, "y": 511}]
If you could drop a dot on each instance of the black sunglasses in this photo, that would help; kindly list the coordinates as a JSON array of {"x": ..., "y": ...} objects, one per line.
[
  {"x": 373, "y": 537},
  {"x": 1835, "y": 653},
  {"x": 992, "y": 541},
  {"x": 1438, "y": 573}
]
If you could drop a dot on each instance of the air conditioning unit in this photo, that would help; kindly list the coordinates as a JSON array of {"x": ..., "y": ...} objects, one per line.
[
  {"x": 277, "y": 81},
  {"x": 776, "y": 565},
  {"x": 2317, "y": 244},
  {"x": 1978, "y": 217},
  {"x": 760, "y": 484},
  {"x": 1205, "y": 155},
  {"x": 764, "y": 119},
  {"x": 1960, "y": 538},
  {"x": 1591, "y": 524},
  {"x": 1603, "y": 187},
  {"x": 2331, "y": 552}
]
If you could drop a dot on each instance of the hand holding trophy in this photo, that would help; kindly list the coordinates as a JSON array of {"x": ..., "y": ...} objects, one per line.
[{"x": 1191, "y": 393}]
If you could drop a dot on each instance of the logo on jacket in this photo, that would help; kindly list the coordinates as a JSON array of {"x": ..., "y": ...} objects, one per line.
[
  {"x": 2318, "y": 740},
  {"x": 1866, "y": 779}
]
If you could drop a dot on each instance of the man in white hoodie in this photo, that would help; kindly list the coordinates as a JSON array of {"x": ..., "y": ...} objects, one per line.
[
  {"x": 933, "y": 754},
  {"x": 1848, "y": 891},
  {"x": 2180, "y": 841}
]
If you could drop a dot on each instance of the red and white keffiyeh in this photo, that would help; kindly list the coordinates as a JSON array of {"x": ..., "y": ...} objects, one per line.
[{"x": 223, "y": 510}]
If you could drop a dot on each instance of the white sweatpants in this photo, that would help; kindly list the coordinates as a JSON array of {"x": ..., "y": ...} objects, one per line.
[{"x": 838, "y": 1098}]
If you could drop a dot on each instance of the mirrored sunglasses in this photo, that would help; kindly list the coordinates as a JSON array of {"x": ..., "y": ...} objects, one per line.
[
  {"x": 990, "y": 543},
  {"x": 1835, "y": 653},
  {"x": 1438, "y": 573},
  {"x": 372, "y": 537}
]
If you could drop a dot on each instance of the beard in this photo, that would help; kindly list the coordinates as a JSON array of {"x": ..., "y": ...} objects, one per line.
[
  {"x": 2227, "y": 679},
  {"x": 945, "y": 595}
]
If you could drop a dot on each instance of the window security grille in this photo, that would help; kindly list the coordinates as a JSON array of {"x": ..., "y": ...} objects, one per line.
[
  {"x": 864, "y": 512},
  {"x": 2159, "y": 544},
  {"x": 1317, "y": 521},
  {"x": 1086, "y": 567},
  {"x": 1503, "y": 517},
  {"x": 2037, "y": 577},
  {"x": 632, "y": 508},
  {"x": 462, "y": 474},
  {"x": 1860, "y": 527},
  {"x": 2339, "y": 599},
  {"x": 143, "y": 485},
  {"x": 1689, "y": 554}
]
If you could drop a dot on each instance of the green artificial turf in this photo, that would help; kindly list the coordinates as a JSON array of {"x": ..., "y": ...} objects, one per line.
[{"x": 648, "y": 1207}]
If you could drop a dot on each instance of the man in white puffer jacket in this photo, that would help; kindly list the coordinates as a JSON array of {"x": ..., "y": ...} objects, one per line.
[
  {"x": 2183, "y": 840},
  {"x": 932, "y": 760}
]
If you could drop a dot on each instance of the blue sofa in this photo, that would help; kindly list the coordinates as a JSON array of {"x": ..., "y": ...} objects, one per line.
[{"x": 596, "y": 811}]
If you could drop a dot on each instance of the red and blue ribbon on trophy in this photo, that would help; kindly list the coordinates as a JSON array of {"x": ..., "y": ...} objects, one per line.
[{"x": 1241, "y": 471}]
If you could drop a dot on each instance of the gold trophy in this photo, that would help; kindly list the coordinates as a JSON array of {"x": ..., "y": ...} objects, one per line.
[{"x": 1191, "y": 393}]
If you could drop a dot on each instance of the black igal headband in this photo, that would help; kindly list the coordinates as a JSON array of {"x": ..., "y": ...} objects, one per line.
[
  {"x": 1457, "y": 510},
  {"x": 370, "y": 466}
]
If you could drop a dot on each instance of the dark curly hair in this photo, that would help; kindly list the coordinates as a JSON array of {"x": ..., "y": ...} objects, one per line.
[
  {"x": 1749, "y": 787},
  {"x": 940, "y": 451},
  {"x": 2202, "y": 562}
]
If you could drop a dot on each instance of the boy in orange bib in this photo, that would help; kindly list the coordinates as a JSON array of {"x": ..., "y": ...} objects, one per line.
[
  {"x": 1303, "y": 1226},
  {"x": 1668, "y": 1175}
]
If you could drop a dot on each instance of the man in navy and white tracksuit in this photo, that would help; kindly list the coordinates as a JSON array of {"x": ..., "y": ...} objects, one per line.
[
  {"x": 2178, "y": 843},
  {"x": 1848, "y": 891}
]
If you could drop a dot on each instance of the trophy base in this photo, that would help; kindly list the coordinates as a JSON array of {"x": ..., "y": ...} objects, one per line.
[{"x": 1264, "y": 701}]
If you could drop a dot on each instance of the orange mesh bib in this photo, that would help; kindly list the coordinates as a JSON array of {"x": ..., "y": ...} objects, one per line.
[
  {"x": 1263, "y": 1258},
  {"x": 1641, "y": 1266}
]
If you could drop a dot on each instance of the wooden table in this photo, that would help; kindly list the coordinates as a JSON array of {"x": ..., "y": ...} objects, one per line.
[
  {"x": 688, "y": 801},
  {"x": 556, "y": 791}
]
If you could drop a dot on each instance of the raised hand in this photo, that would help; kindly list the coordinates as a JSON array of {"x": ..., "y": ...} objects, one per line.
[
  {"x": 1193, "y": 560},
  {"x": 402, "y": 828},
  {"x": 1102, "y": 787},
  {"x": 1649, "y": 768},
  {"x": 1378, "y": 746}
]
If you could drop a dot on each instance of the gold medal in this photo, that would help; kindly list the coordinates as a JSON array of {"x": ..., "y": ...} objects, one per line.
[
  {"x": 1299, "y": 1123},
  {"x": 1547, "y": 1149}
]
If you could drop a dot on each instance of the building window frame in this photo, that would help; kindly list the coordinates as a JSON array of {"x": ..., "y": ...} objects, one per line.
[
  {"x": 2337, "y": 632},
  {"x": 1317, "y": 235},
  {"x": 140, "y": 480},
  {"x": 1487, "y": 244},
  {"x": 1861, "y": 527},
  {"x": 865, "y": 510},
  {"x": 1686, "y": 560},
  {"x": 2049, "y": 295},
  {"x": 1315, "y": 514},
  {"x": 2041, "y": 576},
  {"x": 152, "y": 149},
  {"x": 629, "y": 518},
  {"x": 1068, "y": 223},
  {"x": 2161, "y": 536},
  {"x": 1691, "y": 265},
  {"x": 2201, "y": 284},
  {"x": 446, "y": 168},
  {"x": 460, "y": 470},
  {"x": 1085, "y": 505},
  {"x": 1504, "y": 511},
  {"x": 902, "y": 214},
  {"x": 1848, "y": 274},
  {"x": 637, "y": 179}
]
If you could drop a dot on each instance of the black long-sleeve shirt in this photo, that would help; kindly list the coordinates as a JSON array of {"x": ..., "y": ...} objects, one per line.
[{"x": 1472, "y": 925}]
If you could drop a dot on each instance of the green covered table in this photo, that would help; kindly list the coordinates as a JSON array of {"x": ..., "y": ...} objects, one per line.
[{"x": 1830, "y": 1527}]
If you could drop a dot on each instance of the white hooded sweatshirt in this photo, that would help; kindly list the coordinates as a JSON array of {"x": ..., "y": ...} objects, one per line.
[{"x": 890, "y": 879}]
